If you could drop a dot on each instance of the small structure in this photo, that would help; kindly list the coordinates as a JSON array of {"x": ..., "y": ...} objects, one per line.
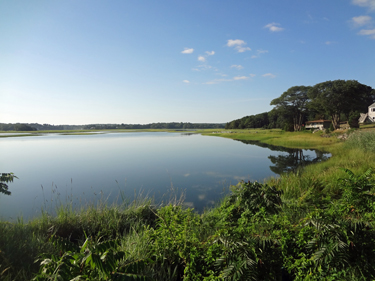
[
  {"x": 368, "y": 117},
  {"x": 344, "y": 125},
  {"x": 318, "y": 124}
]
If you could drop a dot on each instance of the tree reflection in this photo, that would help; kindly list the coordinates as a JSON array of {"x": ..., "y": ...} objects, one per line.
[{"x": 292, "y": 160}]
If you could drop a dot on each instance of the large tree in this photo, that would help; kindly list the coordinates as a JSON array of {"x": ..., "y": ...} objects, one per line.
[
  {"x": 340, "y": 96},
  {"x": 293, "y": 103}
]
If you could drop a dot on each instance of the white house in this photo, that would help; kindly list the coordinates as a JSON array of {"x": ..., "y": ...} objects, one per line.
[
  {"x": 318, "y": 124},
  {"x": 368, "y": 117}
]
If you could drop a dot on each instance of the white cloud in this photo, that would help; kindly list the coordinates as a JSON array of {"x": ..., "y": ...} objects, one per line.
[
  {"x": 239, "y": 45},
  {"x": 259, "y": 52},
  {"x": 210, "y": 53},
  {"x": 202, "y": 58},
  {"x": 236, "y": 42},
  {"x": 365, "y": 3},
  {"x": 273, "y": 27},
  {"x": 237, "y": 66},
  {"x": 187, "y": 51},
  {"x": 217, "y": 81},
  {"x": 361, "y": 20},
  {"x": 329, "y": 42},
  {"x": 242, "y": 49},
  {"x": 240, "y": 78},
  {"x": 270, "y": 75},
  {"x": 368, "y": 32},
  {"x": 252, "y": 75},
  {"x": 186, "y": 81}
]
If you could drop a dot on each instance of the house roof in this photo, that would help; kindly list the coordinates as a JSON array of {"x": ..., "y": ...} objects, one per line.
[
  {"x": 318, "y": 121},
  {"x": 373, "y": 105}
]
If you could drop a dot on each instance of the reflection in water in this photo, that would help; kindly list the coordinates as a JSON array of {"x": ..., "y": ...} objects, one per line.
[
  {"x": 147, "y": 163},
  {"x": 292, "y": 160}
]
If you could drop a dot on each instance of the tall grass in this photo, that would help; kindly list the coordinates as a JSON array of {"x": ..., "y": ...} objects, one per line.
[
  {"x": 21, "y": 243},
  {"x": 361, "y": 140}
]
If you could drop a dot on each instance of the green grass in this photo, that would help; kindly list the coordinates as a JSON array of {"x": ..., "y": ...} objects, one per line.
[{"x": 304, "y": 139}]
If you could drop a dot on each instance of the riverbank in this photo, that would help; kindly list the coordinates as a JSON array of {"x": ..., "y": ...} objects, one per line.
[
  {"x": 259, "y": 229},
  {"x": 357, "y": 159}
]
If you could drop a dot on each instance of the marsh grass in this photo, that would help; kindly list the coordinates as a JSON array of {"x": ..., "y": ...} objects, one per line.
[
  {"x": 364, "y": 140},
  {"x": 22, "y": 242},
  {"x": 304, "y": 139}
]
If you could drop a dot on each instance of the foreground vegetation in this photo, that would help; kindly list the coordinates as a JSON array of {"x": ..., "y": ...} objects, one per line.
[{"x": 315, "y": 224}]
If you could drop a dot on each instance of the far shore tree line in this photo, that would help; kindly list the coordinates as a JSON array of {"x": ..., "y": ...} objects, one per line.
[
  {"x": 170, "y": 125},
  {"x": 338, "y": 100}
]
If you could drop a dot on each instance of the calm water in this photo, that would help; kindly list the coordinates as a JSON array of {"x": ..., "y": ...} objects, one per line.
[{"x": 84, "y": 168}]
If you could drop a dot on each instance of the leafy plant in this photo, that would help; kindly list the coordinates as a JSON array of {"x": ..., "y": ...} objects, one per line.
[
  {"x": 4, "y": 179},
  {"x": 94, "y": 260},
  {"x": 252, "y": 197},
  {"x": 358, "y": 192}
]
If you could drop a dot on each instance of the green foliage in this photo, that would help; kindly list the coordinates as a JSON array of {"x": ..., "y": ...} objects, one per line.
[
  {"x": 336, "y": 99},
  {"x": 251, "y": 197},
  {"x": 94, "y": 260},
  {"x": 340, "y": 97},
  {"x": 4, "y": 179},
  {"x": 177, "y": 248},
  {"x": 353, "y": 119},
  {"x": 361, "y": 140},
  {"x": 358, "y": 191},
  {"x": 293, "y": 103},
  {"x": 253, "y": 121}
]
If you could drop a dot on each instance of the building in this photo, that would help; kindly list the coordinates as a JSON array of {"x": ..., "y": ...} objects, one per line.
[
  {"x": 318, "y": 124},
  {"x": 368, "y": 117}
]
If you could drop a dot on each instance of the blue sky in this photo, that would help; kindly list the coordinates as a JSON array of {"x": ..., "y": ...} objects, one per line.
[{"x": 87, "y": 61}]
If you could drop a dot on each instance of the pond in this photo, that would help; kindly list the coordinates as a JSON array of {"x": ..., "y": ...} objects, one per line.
[{"x": 112, "y": 167}]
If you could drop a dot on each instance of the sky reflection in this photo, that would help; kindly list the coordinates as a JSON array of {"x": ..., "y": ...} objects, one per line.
[{"x": 53, "y": 169}]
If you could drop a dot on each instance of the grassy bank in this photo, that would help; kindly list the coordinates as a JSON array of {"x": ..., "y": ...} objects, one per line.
[
  {"x": 315, "y": 224},
  {"x": 355, "y": 154}
]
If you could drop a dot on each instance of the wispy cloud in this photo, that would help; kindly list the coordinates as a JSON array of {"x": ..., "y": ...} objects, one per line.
[
  {"x": 202, "y": 58},
  {"x": 210, "y": 53},
  {"x": 186, "y": 81},
  {"x": 259, "y": 52},
  {"x": 329, "y": 42},
  {"x": 187, "y": 51},
  {"x": 239, "y": 45},
  {"x": 236, "y": 78},
  {"x": 203, "y": 67},
  {"x": 361, "y": 21},
  {"x": 269, "y": 75},
  {"x": 238, "y": 66},
  {"x": 237, "y": 42},
  {"x": 368, "y": 32},
  {"x": 240, "y": 78},
  {"x": 216, "y": 81},
  {"x": 365, "y": 3},
  {"x": 274, "y": 27},
  {"x": 252, "y": 75}
]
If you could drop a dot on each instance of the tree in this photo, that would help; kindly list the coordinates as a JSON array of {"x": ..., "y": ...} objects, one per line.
[
  {"x": 293, "y": 103},
  {"x": 4, "y": 179},
  {"x": 340, "y": 96},
  {"x": 23, "y": 127}
]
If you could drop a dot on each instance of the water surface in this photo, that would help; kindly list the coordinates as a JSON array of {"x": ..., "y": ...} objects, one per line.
[{"x": 83, "y": 168}]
